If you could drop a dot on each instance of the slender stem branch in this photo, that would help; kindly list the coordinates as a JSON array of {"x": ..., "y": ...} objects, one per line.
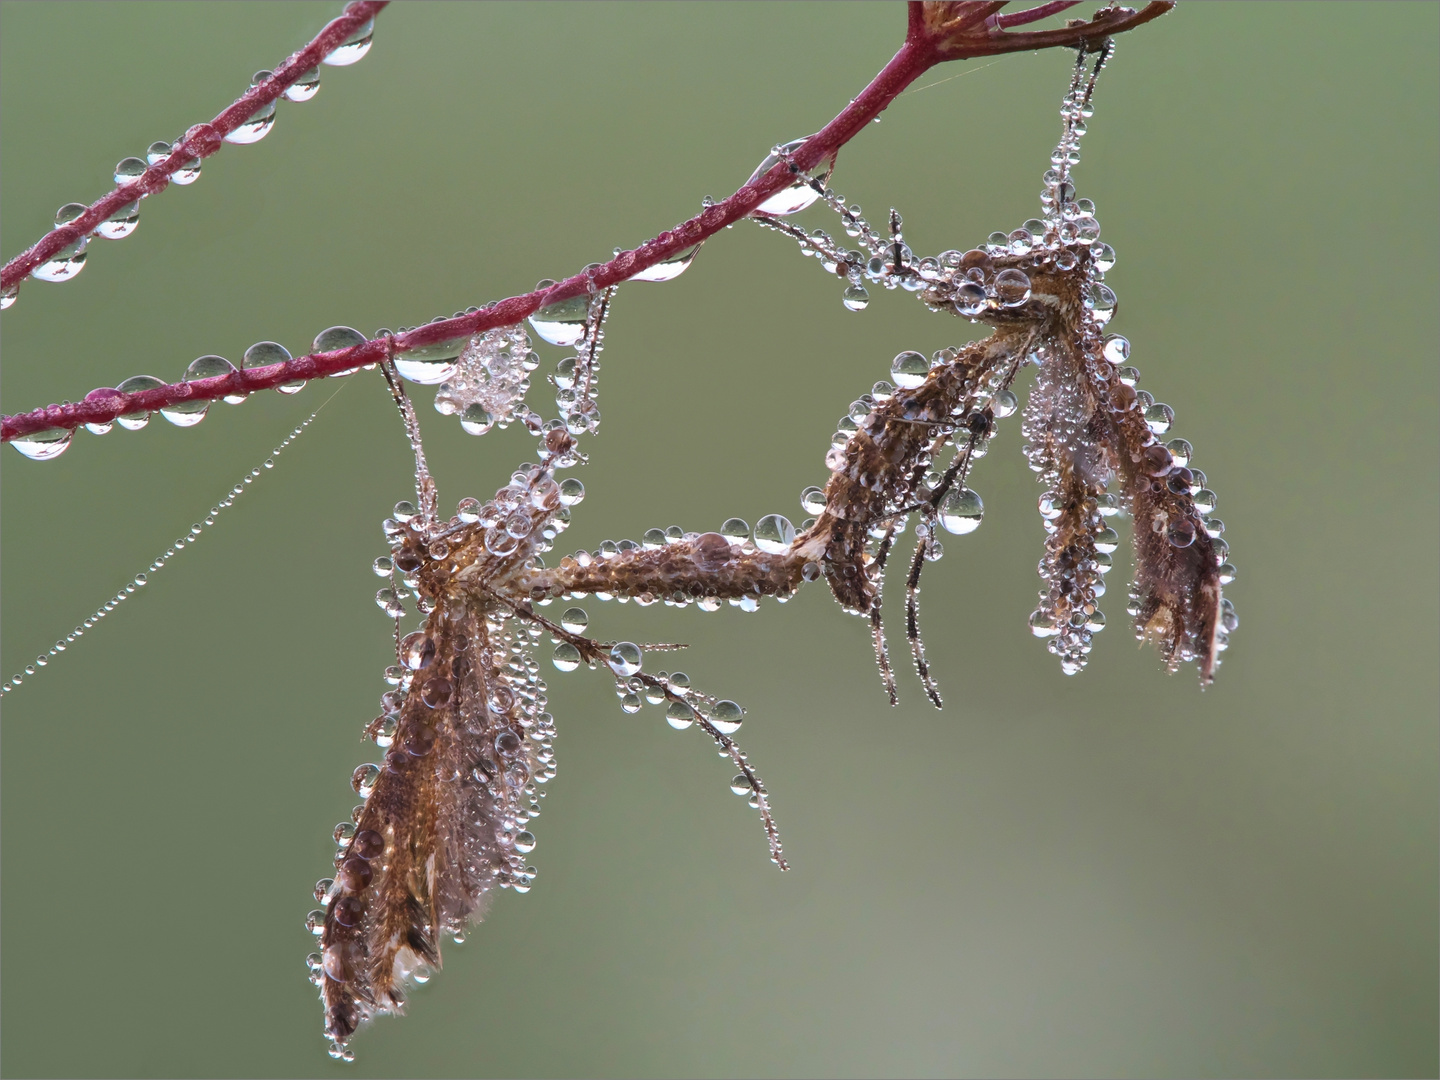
[
  {"x": 199, "y": 142},
  {"x": 1035, "y": 14},
  {"x": 937, "y": 32}
]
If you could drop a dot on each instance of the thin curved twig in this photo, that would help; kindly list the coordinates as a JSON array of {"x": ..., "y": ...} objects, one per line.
[{"x": 199, "y": 142}]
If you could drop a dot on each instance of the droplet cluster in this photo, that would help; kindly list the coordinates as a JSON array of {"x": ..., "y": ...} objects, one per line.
[{"x": 490, "y": 379}]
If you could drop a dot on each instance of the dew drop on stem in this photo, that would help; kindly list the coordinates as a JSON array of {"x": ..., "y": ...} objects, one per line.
[
  {"x": 353, "y": 48},
  {"x": 668, "y": 269},
  {"x": 961, "y": 511},
  {"x": 797, "y": 195},
  {"x": 258, "y": 124},
  {"x": 66, "y": 263},
  {"x": 305, "y": 87},
  {"x": 44, "y": 445},
  {"x": 135, "y": 384},
  {"x": 563, "y": 322}
]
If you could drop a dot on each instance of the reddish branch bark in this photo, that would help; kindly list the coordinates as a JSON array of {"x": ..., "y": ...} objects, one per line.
[
  {"x": 199, "y": 142},
  {"x": 937, "y": 32}
]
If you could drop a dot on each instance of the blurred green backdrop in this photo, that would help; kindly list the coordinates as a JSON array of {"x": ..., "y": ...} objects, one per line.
[{"x": 1113, "y": 874}]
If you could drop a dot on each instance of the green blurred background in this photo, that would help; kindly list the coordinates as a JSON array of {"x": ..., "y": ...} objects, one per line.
[{"x": 1112, "y": 874}]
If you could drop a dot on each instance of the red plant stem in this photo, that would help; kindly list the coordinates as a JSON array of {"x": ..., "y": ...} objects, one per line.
[
  {"x": 199, "y": 142},
  {"x": 962, "y": 35}
]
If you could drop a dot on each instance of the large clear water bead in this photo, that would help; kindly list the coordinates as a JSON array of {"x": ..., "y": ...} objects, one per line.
[
  {"x": 353, "y": 48},
  {"x": 44, "y": 445},
  {"x": 798, "y": 194}
]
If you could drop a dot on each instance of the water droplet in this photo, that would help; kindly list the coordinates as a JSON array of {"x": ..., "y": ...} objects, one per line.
[
  {"x": 431, "y": 364},
  {"x": 679, "y": 715},
  {"x": 798, "y": 194},
  {"x": 1181, "y": 451},
  {"x": 669, "y": 269},
  {"x": 383, "y": 731},
  {"x": 334, "y": 338},
  {"x": 435, "y": 694},
  {"x": 856, "y": 298},
  {"x": 388, "y": 602},
  {"x": 575, "y": 620},
  {"x": 625, "y": 658},
  {"x": 525, "y": 842},
  {"x": 121, "y": 223},
  {"x": 468, "y": 510},
  {"x": 404, "y": 510},
  {"x": 563, "y": 323},
  {"x": 364, "y": 779},
  {"x": 740, "y": 785},
  {"x": 208, "y": 367},
  {"x": 1012, "y": 287},
  {"x": 774, "y": 534},
  {"x": 812, "y": 500},
  {"x": 69, "y": 260},
  {"x": 1227, "y": 573},
  {"x": 961, "y": 511},
  {"x": 185, "y": 413},
  {"x": 566, "y": 656},
  {"x": 130, "y": 168},
  {"x": 727, "y": 717},
  {"x": 735, "y": 530},
  {"x": 1159, "y": 417},
  {"x": 416, "y": 650},
  {"x": 630, "y": 703},
  {"x": 1116, "y": 348},
  {"x": 909, "y": 369},
  {"x": 1020, "y": 242},
  {"x": 1107, "y": 540},
  {"x": 305, "y": 87},
  {"x": 500, "y": 542},
  {"x": 571, "y": 491},
  {"x": 1103, "y": 256},
  {"x": 970, "y": 299},
  {"x": 1181, "y": 533},
  {"x": 1042, "y": 624},
  {"x": 44, "y": 445},
  {"x": 259, "y": 123},
  {"x": 998, "y": 243},
  {"x": 267, "y": 353},
  {"x": 9, "y": 296},
  {"x": 1101, "y": 300},
  {"x": 353, "y": 47},
  {"x": 1087, "y": 230},
  {"x": 1004, "y": 404},
  {"x": 1205, "y": 501},
  {"x": 475, "y": 420},
  {"x": 264, "y": 354},
  {"x": 135, "y": 384}
]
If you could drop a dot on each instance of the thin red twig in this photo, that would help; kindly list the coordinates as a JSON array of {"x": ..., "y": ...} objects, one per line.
[
  {"x": 937, "y": 32},
  {"x": 199, "y": 142},
  {"x": 1035, "y": 14}
]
